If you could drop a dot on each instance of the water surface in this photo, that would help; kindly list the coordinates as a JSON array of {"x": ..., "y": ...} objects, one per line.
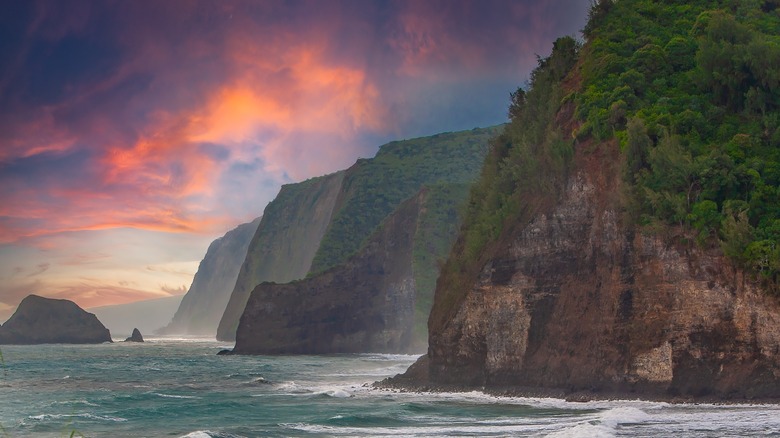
[{"x": 178, "y": 387}]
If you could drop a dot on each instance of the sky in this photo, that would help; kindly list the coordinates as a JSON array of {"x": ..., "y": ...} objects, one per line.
[{"x": 133, "y": 133}]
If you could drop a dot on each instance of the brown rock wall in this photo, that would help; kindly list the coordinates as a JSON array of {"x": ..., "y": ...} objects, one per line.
[{"x": 577, "y": 301}]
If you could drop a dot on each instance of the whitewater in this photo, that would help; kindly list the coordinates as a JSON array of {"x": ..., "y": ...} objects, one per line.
[{"x": 181, "y": 388}]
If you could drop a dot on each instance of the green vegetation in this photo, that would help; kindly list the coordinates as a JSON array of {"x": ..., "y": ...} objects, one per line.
[
  {"x": 689, "y": 90},
  {"x": 373, "y": 188},
  {"x": 692, "y": 92}
]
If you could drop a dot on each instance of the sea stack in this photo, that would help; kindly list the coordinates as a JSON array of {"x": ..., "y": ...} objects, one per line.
[
  {"x": 135, "y": 337},
  {"x": 40, "y": 320}
]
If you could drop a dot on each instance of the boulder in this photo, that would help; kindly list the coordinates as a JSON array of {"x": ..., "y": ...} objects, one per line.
[{"x": 135, "y": 337}]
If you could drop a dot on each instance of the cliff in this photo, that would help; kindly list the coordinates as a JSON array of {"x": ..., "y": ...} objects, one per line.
[
  {"x": 350, "y": 205},
  {"x": 575, "y": 300},
  {"x": 40, "y": 320},
  {"x": 202, "y": 307},
  {"x": 364, "y": 305},
  {"x": 600, "y": 253},
  {"x": 285, "y": 242}
]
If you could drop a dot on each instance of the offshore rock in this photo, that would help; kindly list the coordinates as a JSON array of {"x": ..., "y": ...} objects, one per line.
[
  {"x": 40, "y": 320},
  {"x": 135, "y": 337},
  {"x": 364, "y": 305},
  {"x": 577, "y": 301}
]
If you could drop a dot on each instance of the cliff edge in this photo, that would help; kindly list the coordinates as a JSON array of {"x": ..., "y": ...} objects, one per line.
[
  {"x": 202, "y": 307},
  {"x": 284, "y": 244}
]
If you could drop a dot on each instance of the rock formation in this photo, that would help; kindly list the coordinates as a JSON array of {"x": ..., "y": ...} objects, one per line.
[
  {"x": 364, "y": 305},
  {"x": 40, "y": 320},
  {"x": 203, "y": 305},
  {"x": 135, "y": 337},
  {"x": 578, "y": 301}
]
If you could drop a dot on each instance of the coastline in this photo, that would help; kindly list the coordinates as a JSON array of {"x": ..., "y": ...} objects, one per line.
[{"x": 415, "y": 381}]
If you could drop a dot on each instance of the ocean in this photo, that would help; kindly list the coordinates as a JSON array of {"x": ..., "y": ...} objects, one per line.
[{"x": 181, "y": 388}]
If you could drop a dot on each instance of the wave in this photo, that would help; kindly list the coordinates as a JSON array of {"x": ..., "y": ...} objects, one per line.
[
  {"x": 57, "y": 417},
  {"x": 210, "y": 434},
  {"x": 159, "y": 394},
  {"x": 390, "y": 357},
  {"x": 452, "y": 429},
  {"x": 334, "y": 392}
]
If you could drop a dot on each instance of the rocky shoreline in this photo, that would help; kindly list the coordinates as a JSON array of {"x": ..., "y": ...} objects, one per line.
[
  {"x": 402, "y": 385},
  {"x": 415, "y": 380}
]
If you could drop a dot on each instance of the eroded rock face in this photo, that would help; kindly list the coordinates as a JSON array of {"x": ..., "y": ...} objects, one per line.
[
  {"x": 364, "y": 305},
  {"x": 577, "y": 301},
  {"x": 41, "y": 320}
]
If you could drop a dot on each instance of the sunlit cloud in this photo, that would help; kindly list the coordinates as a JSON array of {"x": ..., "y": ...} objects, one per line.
[{"x": 181, "y": 118}]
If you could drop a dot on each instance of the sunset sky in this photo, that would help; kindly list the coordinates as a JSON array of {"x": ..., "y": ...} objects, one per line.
[{"x": 133, "y": 133}]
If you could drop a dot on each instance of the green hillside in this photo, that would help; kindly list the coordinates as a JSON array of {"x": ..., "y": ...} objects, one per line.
[{"x": 373, "y": 188}]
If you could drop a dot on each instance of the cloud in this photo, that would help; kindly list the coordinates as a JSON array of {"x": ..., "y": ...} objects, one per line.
[
  {"x": 174, "y": 291},
  {"x": 184, "y": 118},
  {"x": 86, "y": 293},
  {"x": 39, "y": 269}
]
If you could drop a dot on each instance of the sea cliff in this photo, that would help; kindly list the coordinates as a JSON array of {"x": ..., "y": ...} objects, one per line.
[
  {"x": 319, "y": 224},
  {"x": 577, "y": 301},
  {"x": 285, "y": 242},
  {"x": 364, "y": 305},
  {"x": 202, "y": 307},
  {"x": 613, "y": 246}
]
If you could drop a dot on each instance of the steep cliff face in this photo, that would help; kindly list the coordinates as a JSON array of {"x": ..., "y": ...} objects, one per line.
[
  {"x": 298, "y": 243},
  {"x": 364, "y": 305},
  {"x": 40, "y": 320},
  {"x": 285, "y": 242},
  {"x": 203, "y": 305},
  {"x": 576, "y": 300}
]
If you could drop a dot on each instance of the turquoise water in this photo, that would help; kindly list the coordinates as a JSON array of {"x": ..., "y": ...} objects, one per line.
[{"x": 175, "y": 388}]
